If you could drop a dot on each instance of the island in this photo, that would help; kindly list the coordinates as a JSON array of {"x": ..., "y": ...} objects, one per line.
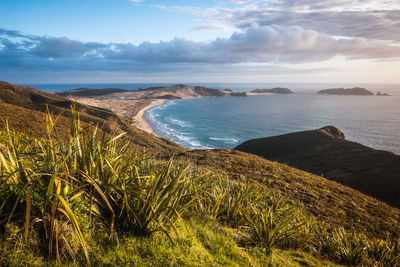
[
  {"x": 380, "y": 94},
  {"x": 343, "y": 91},
  {"x": 275, "y": 90}
]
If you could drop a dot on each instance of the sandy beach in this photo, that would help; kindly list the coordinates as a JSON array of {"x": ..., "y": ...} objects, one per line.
[{"x": 139, "y": 119}]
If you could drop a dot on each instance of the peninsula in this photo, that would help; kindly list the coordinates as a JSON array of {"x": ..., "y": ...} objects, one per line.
[
  {"x": 343, "y": 91},
  {"x": 131, "y": 104}
]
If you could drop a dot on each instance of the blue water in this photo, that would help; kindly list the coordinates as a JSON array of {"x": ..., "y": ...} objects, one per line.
[{"x": 226, "y": 122}]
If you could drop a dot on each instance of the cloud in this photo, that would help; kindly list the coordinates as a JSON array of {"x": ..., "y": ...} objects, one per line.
[
  {"x": 256, "y": 44},
  {"x": 136, "y": 1},
  {"x": 208, "y": 27},
  {"x": 352, "y": 18},
  {"x": 337, "y": 5},
  {"x": 382, "y": 25}
]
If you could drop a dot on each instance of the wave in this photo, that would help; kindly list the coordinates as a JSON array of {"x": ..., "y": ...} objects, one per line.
[
  {"x": 167, "y": 130},
  {"x": 165, "y": 105},
  {"x": 179, "y": 122},
  {"x": 225, "y": 139}
]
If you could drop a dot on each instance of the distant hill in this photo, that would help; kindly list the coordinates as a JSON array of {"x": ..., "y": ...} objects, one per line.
[
  {"x": 176, "y": 91},
  {"x": 276, "y": 90},
  {"x": 25, "y": 108},
  {"x": 342, "y": 91},
  {"x": 182, "y": 90},
  {"x": 88, "y": 92},
  {"x": 326, "y": 152}
]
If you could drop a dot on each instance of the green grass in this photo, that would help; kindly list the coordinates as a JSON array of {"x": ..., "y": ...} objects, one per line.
[
  {"x": 90, "y": 199},
  {"x": 201, "y": 242},
  {"x": 326, "y": 200}
]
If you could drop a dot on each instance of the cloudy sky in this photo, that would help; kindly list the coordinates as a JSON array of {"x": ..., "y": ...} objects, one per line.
[{"x": 88, "y": 41}]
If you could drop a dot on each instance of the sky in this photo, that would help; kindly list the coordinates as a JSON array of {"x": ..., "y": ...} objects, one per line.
[{"x": 138, "y": 41}]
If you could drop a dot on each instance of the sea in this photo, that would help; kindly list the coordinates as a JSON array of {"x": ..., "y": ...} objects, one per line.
[{"x": 225, "y": 122}]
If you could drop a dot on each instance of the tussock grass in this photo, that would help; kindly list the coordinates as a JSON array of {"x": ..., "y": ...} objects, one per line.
[{"x": 91, "y": 199}]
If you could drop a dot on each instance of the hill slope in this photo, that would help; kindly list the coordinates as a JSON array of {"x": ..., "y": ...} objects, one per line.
[
  {"x": 329, "y": 201},
  {"x": 237, "y": 208},
  {"x": 25, "y": 110},
  {"x": 326, "y": 152},
  {"x": 88, "y": 92}
]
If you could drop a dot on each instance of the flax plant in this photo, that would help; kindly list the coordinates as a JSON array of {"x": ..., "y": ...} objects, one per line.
[{"x": 47, "y": 181}]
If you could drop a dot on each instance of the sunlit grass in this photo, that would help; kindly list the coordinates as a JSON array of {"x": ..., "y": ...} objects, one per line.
[{"x": 91, "y": 199}]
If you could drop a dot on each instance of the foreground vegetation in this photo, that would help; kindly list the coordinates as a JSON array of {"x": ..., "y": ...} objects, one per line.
[{"x": 93, "y": 200}]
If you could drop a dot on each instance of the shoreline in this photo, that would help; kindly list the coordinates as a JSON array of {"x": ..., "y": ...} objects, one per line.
[{"x": 139, "y": 119}]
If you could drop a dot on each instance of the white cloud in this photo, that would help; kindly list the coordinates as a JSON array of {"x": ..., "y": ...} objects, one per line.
[
  {"x": 271, "y": 44},
  {"x": 373, "y": 19},
  {"x": 208, "y": 27}
]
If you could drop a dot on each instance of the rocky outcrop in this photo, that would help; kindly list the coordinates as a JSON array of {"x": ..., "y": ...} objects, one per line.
[
  {"x": 275, "y": 90},
  {"x": 380, "y": 94},
  {"x": 326, "y": 152},
  {"x": 342, "y": 91}
]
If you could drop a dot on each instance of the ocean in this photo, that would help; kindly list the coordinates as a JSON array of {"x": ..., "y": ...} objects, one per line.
[{"x": 225, "y": 122}]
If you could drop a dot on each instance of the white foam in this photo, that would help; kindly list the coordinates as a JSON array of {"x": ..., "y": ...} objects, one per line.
[
  {"x": 167, "y": 130},
  {"x": 179, "y": 122},
  {"x": 223, "y": 139}
]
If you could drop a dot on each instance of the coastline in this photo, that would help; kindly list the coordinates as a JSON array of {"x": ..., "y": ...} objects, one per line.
[{"x": 139, "y": 119}]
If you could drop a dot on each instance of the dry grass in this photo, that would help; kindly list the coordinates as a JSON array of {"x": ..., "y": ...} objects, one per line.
[{"x": 326, "y": 200}]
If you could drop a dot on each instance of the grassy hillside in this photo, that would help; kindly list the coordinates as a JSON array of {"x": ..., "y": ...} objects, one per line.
[
  {"x": 71, "y": 194},
  {"x": 327, "y": 200},
  {"x": 89, "y": 200},
  {"x": 25, "y": 109}
]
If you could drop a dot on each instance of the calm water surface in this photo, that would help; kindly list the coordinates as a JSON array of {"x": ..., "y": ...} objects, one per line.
[{"x": 228, "y": 121}]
